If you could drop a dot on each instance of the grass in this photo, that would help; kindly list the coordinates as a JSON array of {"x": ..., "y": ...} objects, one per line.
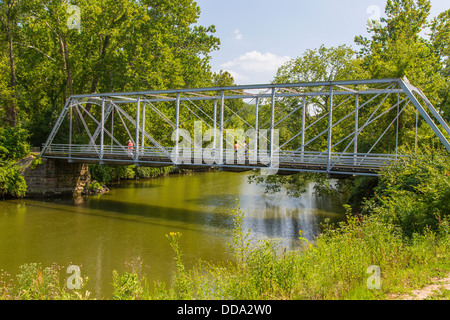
[{"x": 334, "y": 267}]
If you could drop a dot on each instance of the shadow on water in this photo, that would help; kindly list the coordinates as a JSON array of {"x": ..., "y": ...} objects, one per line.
[
  {"x": 136, "y": 184},
  {"x": 164, "y": 213},
  {"x": 140, "y": 213},
  {"x": 268, "y": 219}
]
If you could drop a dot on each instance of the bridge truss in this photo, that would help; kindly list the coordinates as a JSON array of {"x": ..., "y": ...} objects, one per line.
[{"x": 337, "y": 127}]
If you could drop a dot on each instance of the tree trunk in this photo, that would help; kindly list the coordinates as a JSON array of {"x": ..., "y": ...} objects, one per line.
[
  {"x": 11, "y": 113},
  {"x": 67, "y": 67},
  {"x": 65, "y": 54},
  {"x": 96, "y": 75}
]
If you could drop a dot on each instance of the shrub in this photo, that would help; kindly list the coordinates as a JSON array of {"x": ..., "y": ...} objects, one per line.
[
  {"x": 414, "y": 193},
  {"x": 106, "y": 173},
  {"x": 12, "y": 183},
  {"x": 13, "y": 145}
]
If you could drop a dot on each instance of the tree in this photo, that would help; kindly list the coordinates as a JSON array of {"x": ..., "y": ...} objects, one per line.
[
  {"x": 322, "y": 64},
  {"x": 440, "y": 41},
  {"x": 397, "y": 49},
  {"x": 122, "y": 45},
  {"x": 9, "y": 13}
]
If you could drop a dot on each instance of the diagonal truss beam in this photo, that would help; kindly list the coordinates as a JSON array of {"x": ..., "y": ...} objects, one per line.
[{"x": 410, "y": 91}]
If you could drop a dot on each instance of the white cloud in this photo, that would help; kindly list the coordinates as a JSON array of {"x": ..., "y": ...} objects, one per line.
[
  {"x": 238, "y": 35},
  {"x": 255, "y": 61},
  {"x": 255, "y": 66},
  {"x": 239, "y": 78}
]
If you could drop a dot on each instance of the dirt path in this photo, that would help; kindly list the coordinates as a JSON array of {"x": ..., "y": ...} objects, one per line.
[{"x": 432, "y": 290}]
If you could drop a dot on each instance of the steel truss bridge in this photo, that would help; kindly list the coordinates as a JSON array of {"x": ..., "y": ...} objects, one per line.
[{"x": 338, "y": 127}]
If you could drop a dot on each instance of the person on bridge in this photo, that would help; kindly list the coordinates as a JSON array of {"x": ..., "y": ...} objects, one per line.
[
  {"x": 246, "y": 149},
  {"x": 236, "y": 149},
  {"x": 130, "y": 148}
]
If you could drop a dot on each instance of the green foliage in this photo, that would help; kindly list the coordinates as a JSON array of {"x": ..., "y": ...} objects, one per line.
[
  {"x": 241, "y": 239},
  {"x": 150, "y": 172},
  {"x": 414, "y": 193},
  {"x": 322, "y": 64},
  {"x": 106, "y": 173},
  {"x": 13, "y": 145},
  {"x": 334, "y": 266},
  {"x": 397, "y": 48},
  {"x": 12, "y": 183},
  {"x": 359, "y": 190},
  {"x": 37, "y": 283},
  {"x": 297, "y": 184},
  {"x": 182, "y": 285},
  {"x": 405, "y": 229},
  {"x": 121, "y": 45},
  {"x": 131, "y": 285}
]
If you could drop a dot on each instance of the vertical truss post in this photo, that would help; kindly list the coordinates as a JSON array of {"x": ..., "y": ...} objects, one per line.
[
  {"x": 256, "y": 128},
  {"x": 102, "y": 129},
  {"x": 330, "y": 126},
  {"x": 303, "y": 128},
  {"x": 143, "y": 128},
  {"x": 138, "y": 112},
  {"x": 222, "y": 106},
  {"x": 215, "y": 128},
  {"x": 396, "y": 131},
  {"x": 355, "y": 144},
  {"x": 70, "y": 133},
  {"x": 272, "y": 119},
  {"x": 177, "y": 127},
  {"x": 112, "y": 125},
  {"x": 415, "y": 139}
]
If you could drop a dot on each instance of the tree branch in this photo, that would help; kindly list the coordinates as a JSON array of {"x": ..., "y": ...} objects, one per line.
[{"x": 37, "y": 49}]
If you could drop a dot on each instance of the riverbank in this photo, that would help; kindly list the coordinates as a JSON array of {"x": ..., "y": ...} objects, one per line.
[
  {"x": 341, "y": 264},
  {"x": 105, "y": 177},
  {"x": 23, "y": 179},
  {"x": 398, "y": 244},
  {"x": 361, "y": 259}
]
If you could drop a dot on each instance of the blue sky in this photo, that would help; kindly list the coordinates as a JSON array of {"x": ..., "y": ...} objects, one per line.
[{"x": 258, "y": 36}]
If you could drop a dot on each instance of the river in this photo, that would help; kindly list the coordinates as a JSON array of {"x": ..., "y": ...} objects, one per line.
[{"x": 105, "y": 232}]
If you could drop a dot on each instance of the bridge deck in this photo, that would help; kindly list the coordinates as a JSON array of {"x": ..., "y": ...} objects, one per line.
[{"x": 285, "y": 162}]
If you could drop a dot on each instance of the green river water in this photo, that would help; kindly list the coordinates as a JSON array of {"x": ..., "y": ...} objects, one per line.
[{"x": 102, "y": 233}]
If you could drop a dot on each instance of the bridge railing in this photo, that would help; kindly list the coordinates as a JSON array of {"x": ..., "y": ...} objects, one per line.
[
  {"x": 338, "y": 158},
  {"x": 98, "y": 152},
  {"x": 230, "y": 156}
]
